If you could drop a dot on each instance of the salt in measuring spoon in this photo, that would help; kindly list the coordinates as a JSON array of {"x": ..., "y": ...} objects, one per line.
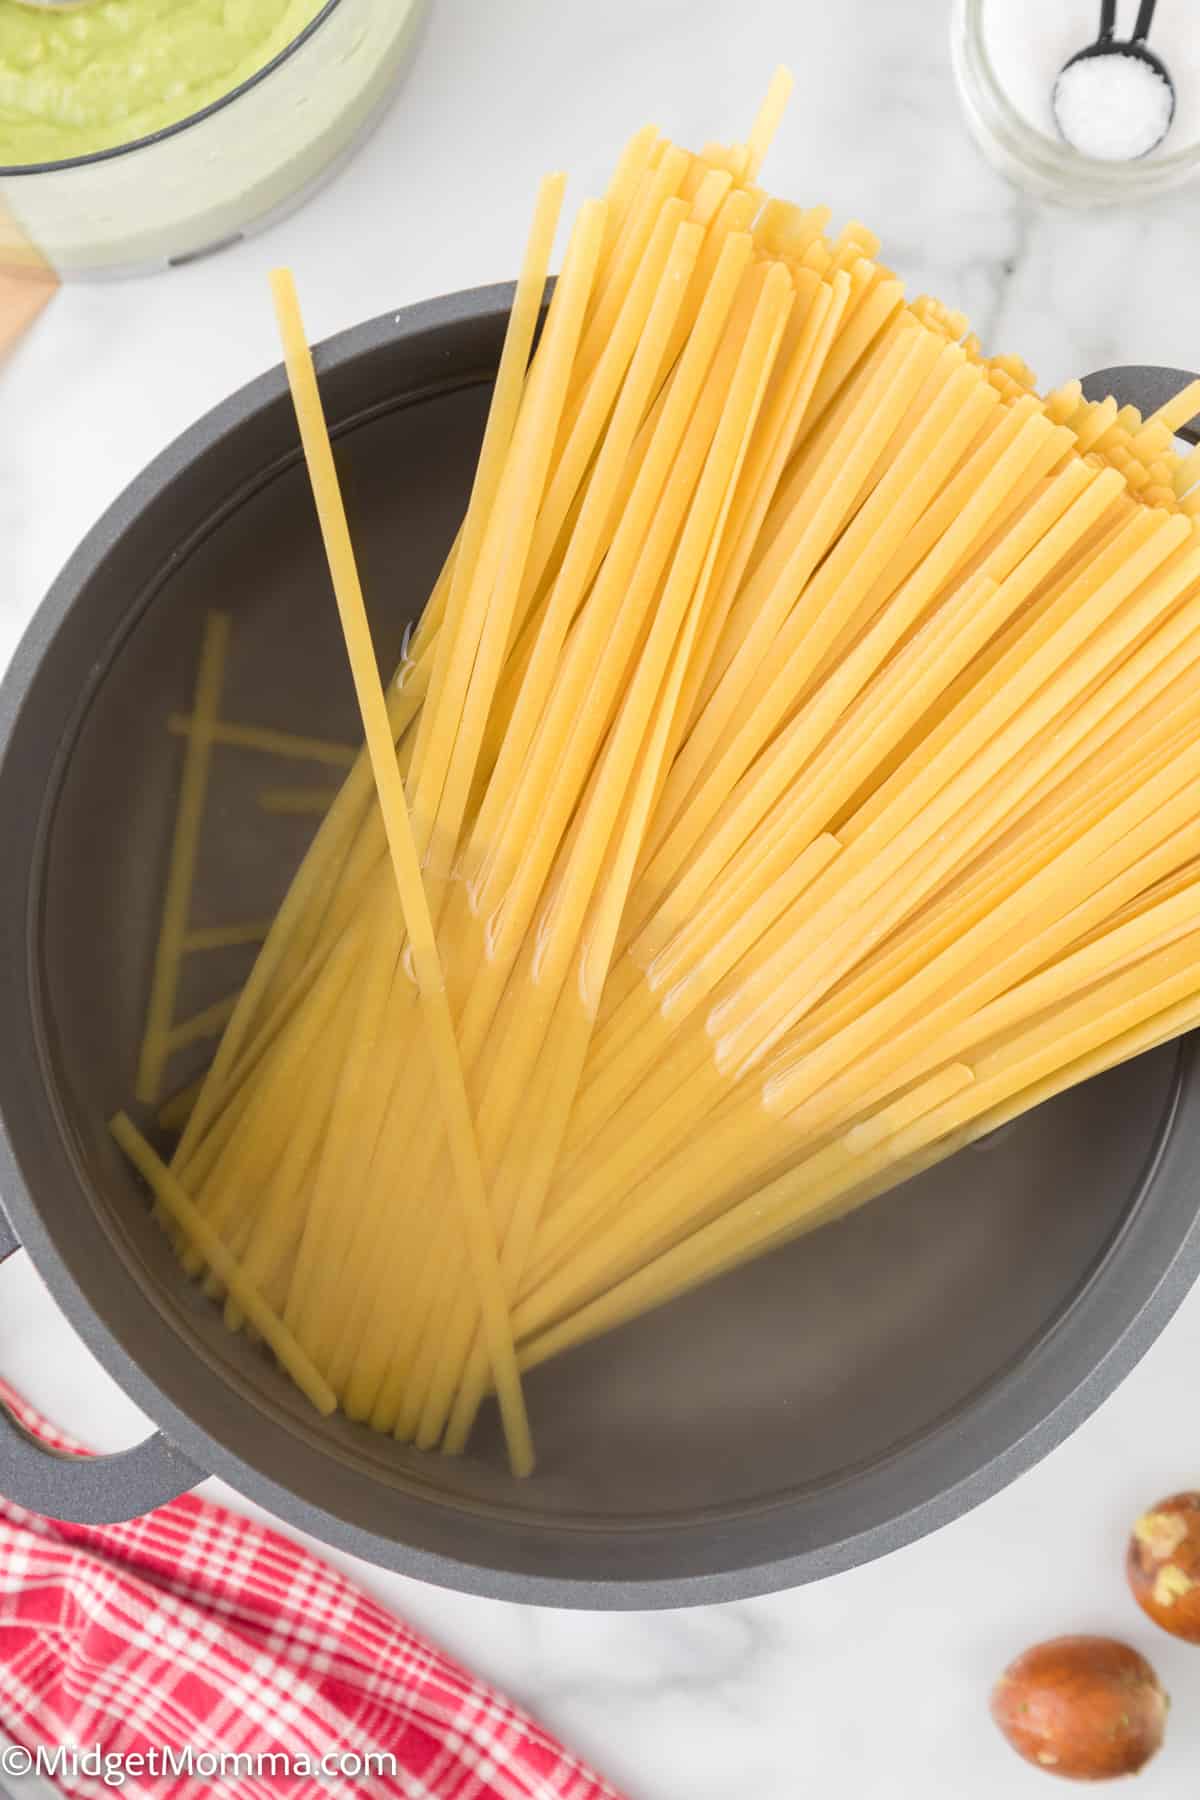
[{"x": 1114, "y": 100}]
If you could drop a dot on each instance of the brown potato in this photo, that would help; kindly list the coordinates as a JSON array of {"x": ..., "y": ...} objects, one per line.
[
  {"x": 1163, "y": 1565},
  {"x": 1085, "y": 1707}
]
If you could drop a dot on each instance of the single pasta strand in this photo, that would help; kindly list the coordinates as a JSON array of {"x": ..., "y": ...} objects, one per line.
[
  {"x": 632, "y": 163},
  {"x": 1187, "y": 471},
  {"x": 272, "y": 743},
  {"x": 207, "y": 1023},
  {"x": 1178, "y": 410},
  {"x": 705, "y": 189},
  {"x": 460, "y": 1130},
  {"x": 181, "y": 871},
  {"x": 226, "y": 937},
  {"x": 767, "y": 123}
]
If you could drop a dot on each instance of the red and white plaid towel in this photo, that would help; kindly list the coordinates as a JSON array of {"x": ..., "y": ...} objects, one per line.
[{"x": 195, "y": 1628}]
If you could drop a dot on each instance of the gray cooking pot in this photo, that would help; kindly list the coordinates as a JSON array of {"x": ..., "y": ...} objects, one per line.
[{"x": 809, "y": 1412}]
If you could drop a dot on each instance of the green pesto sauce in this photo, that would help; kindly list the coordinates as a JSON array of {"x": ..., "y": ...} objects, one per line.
[{"x": 116, "y": 70}]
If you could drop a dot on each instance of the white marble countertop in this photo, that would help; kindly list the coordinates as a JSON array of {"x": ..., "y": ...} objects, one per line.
[{"x": 873, "y": 1684}]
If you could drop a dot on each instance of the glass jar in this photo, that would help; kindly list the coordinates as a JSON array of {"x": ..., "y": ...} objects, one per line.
[
  {"x": 1032, "y": 157},
  {"x": 205, "y": 181}
]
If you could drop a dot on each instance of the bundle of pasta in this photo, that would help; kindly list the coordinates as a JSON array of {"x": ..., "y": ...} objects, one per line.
[{"x": 794, "y": 775}]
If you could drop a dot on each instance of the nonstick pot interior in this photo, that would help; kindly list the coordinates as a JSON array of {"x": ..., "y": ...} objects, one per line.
[{"x": 811, "y": 1410}]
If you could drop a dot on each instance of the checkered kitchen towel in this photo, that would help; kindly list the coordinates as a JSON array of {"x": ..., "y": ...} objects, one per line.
[{"x": 195, "y": 1628}]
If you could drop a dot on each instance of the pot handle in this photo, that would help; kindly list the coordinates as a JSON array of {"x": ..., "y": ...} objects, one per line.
[
  {"x": 90, "y": 1490},
  {"x": 1145, "y": 386},
  {"x": 87, "y": 1490}
]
